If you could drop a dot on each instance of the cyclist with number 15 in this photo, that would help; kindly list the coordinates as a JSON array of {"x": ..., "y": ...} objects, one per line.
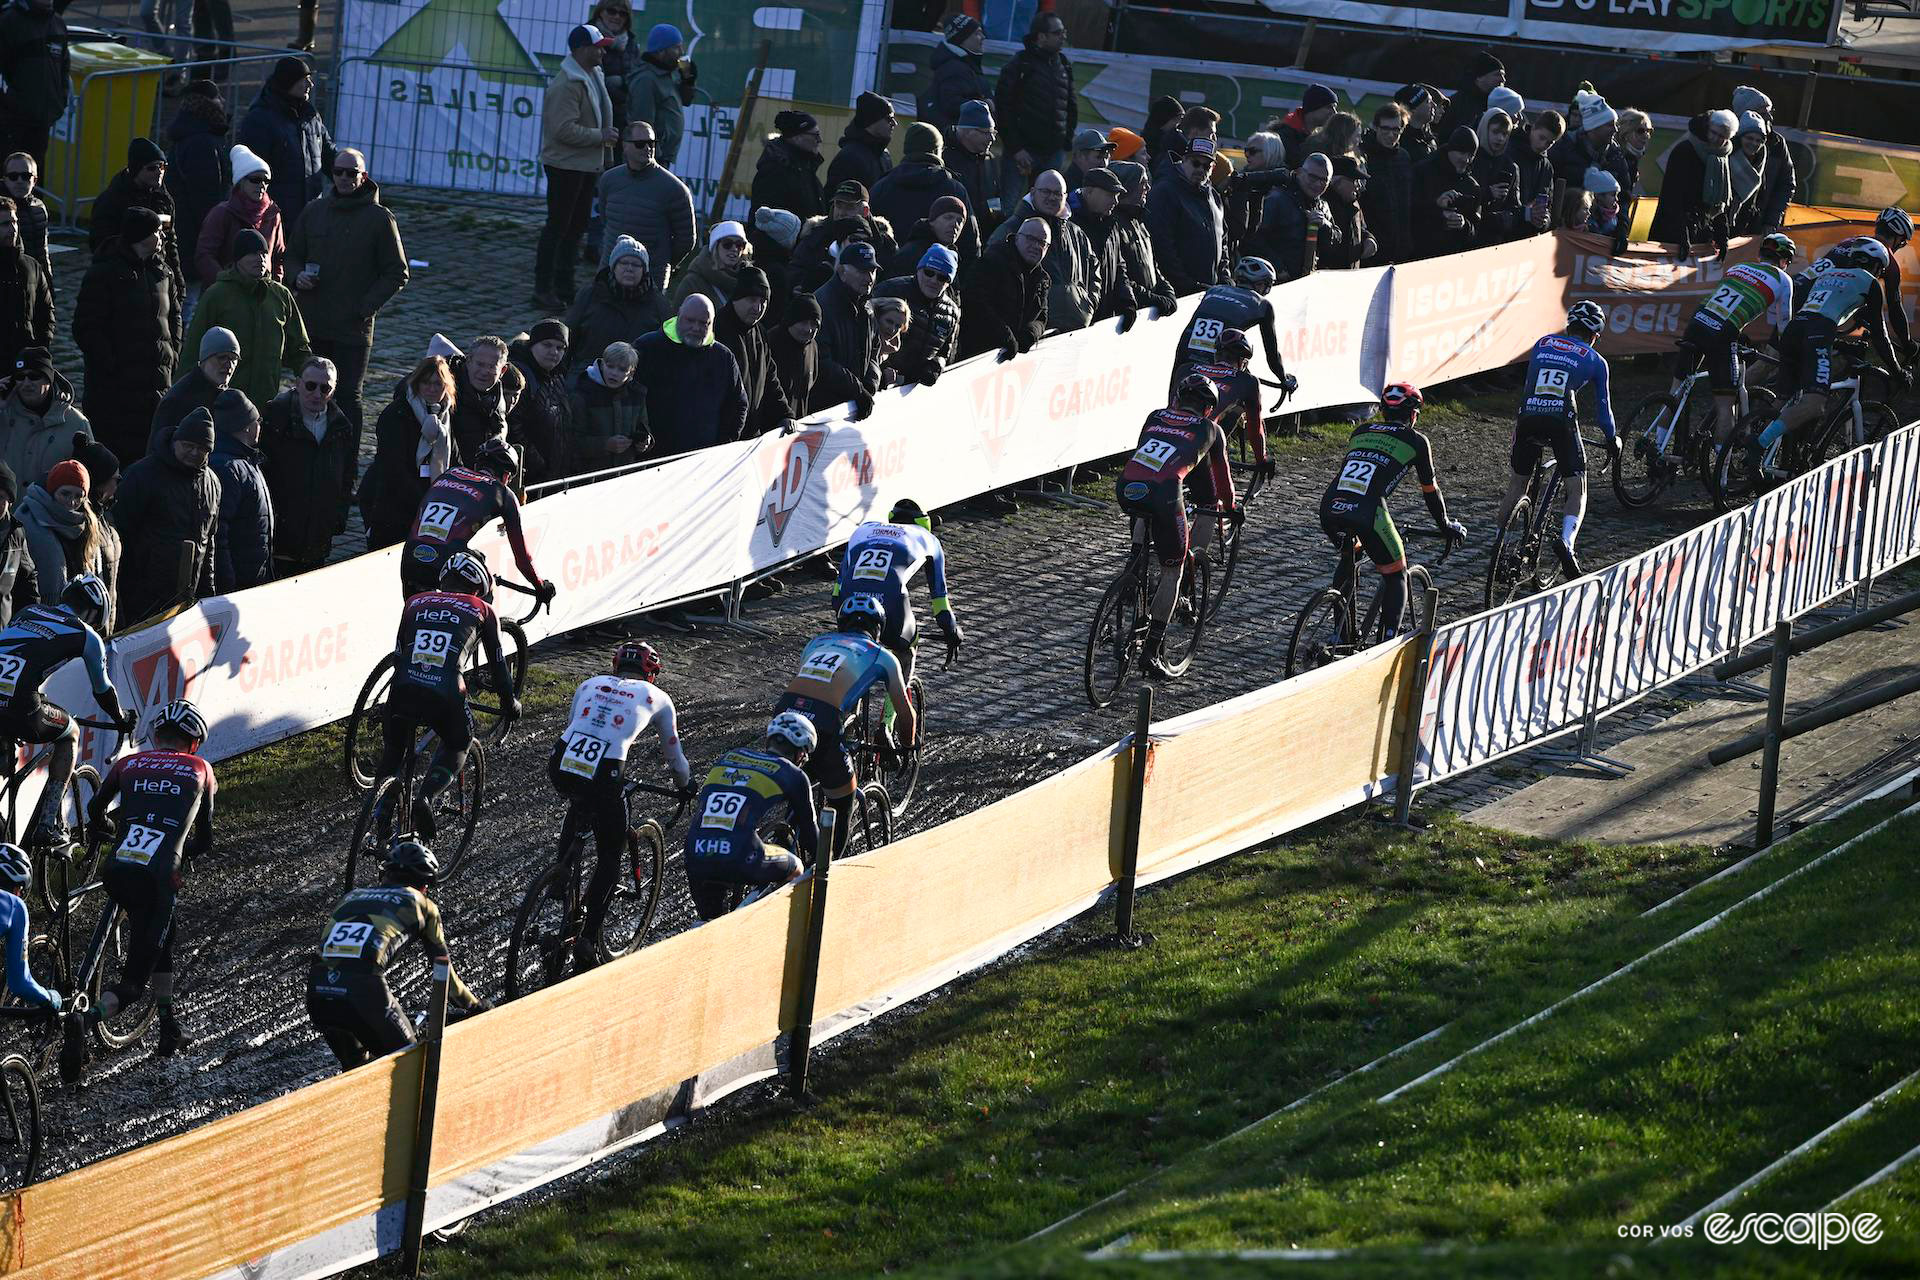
[{"x": 1561, "y": 366}]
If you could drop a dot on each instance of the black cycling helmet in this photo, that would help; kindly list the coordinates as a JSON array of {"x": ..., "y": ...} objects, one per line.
[
  {"x": 1586, "y": 314},
  {"x": 1233, "y": 345},
  {"x": 1402, "y": 401},
  {"x": 1777, "y": 246},
  {"x": 1197, "y": 392},
  {"x": 499, "y": 457},
  {"x": 907, "y": 511},
  {"x": 183, "y": 718},
  {"x": 86, "y": 598},
  {"x": 15, "y": 867},
  {"x": 467, "y": 574},
  {"x": 862, "y": 613},
  {"x": 409, "y": 861},
  {"x": 1256, "y": 274},
  {"x": 637, "y": 657}
]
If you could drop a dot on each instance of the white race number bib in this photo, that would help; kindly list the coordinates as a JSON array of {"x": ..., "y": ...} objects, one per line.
[
  {"x": 582, "y": 754},
  {"x": 430, "y": 648},
  {"x": 346, "y": 941},
  {"x": 436, "y": 520},
  {"x": 139, "y": 844},
  {"x": 1155, "y": 454},
  {"x": 1356, "y": 476},
  {"x": 722, "y": 810}
]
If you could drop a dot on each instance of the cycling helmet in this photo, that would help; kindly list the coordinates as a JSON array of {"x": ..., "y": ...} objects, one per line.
[
  {"x": 637, "y": 656},
  {"x": 183, "y": 718},
  {"x": 862, "y": 613},
  {"x": 1587, "y": 315},
  {"x": 409, "y": 861},
  {"x": 1402, "y": 400},
  {"x": 1198, "y": 391},
  {"x": 15, "y": 868},
  {"x": 793, "y": 729},
  {"x": 1233, "y": 345},
  {"x": 907, "y": 511},
  {"x": 1778, "y": 247},
  {"x": 1256, "y": 274},
  {"x": 1893, "y": 221},
  {"x": 499, "y": 457},
  {"x": 1864, "y": 252},
  {"x": 467, "y": 574},
  {"x": 86, "y": 597}
]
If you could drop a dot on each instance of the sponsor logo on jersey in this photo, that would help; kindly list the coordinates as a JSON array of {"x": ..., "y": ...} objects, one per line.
[
  {"x": 426, "y": 553},
  {"x": 155, "y": 786}
]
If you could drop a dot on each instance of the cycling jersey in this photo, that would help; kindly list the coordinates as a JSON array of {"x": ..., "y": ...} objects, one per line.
[
  {"x": 1164, "y": 465},
  {"x": 743, "y": 786},
  {"x": 40, "y": 639},
  {"x": 369, "y": 926},
  {"x": 835, "y": 671},
  {"x": 1745, "y": 294},
  {"x": 1240, "y": 407},
  {"x": 438, "y": 633},
  {"x": 1379, "y": 455},
  {"x": 1223, "y": 307},
  {"x": 14, "y": 924},
  {"x": 609, "y": 714},
  {"x": 1840, "y": 295},
  {"x": 165, "y": 810},
  {"x": 458, "y": 504},
  {"x": 1558, "y": 369},
  {"x": 882, "y": 558}
]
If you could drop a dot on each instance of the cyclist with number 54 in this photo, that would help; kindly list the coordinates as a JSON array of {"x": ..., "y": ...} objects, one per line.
[
  {"x": 1560, "y": 367},
  {"x": 459, "y": 504}
]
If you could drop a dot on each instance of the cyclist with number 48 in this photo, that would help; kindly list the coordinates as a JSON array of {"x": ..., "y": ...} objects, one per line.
[
  {"x": 724, "y": 848},
  {"x": 881, "y": 560},
  {"x": 459, "y": 504},
  {"x": 1748, "y": 292},
  {"x": 609, "y": 714},
  {"x": 1561, "y": 366}
]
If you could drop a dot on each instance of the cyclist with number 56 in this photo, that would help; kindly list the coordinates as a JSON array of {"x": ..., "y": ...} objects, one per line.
[
  {"x": 459, "y": 504},
  {"x": 725, "y": 853},
  {"x": 1561, "y": 366},
  {"x": 609, "y": 714}
]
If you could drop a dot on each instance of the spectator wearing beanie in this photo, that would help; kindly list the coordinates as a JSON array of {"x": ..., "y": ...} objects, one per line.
[
  {"x": 741, "y": 328},
  {"x": 539, "y": 421},
  {"x": 19, "y": 584},
  {"x": 946, "y": 224},
  {"x": 1696, "y": 190},
  {"x": 1317, "y": 106},
  {"x": 143, "y": 184},
  {"x": 310, "y": 451},
  {"x": 67, "y": 535},
  {"x": 606, "y": 414},
  {"x": 715, "y": 270},
  {"x": 641, "y": 199},
  {"x": 1447, "y": 198},
  {"x": 694, "y": 394},
  {"x": 1604, "y": 216},
  {"x": 284, "y": 129},
  {"x": 863, "y": 154},
  {"x": 243, "y": 535},
  {"x": 969, "y": 157},
  {"x": 1423, "y": 103},
  {"x": 1038, "y": 107},
  {"x": 620, "y": 303},
  {"x": 1159, "y": 129},
  {"x": 1779, "y": 183},
  {"x": 1127, "y": 145},
  {"x": 788, "y": 175},
  {"x": 260, "y": 312},
  {"x": 660, "y": 88},
  {"x": 125, "y": 323},
  {"x": 1590, "y": 144},
  {"x": 246, "y": 208},
  {"x": 1748, "y": 168},
  {"x": 1485, "y": 73},
  {"x": 932, "y": 338},
  {"x": 197, "y": 388},
  {"x": 167, "y": 510},
  {"x": 576, "y": 128},
  {"x": 1353, "y": 244},
  {"x": 848, "y": 218},
  {"x": 197, "y": 173},
  {"x": 906, "y": 196},
  {"x": 796, "y": 358},
  {"x": 38, "y": 420},
  {"x": 1505, "y": 99},
  {"x": 957, "y": 76}
]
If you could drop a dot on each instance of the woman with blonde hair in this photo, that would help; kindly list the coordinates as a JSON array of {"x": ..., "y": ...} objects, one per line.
[
  {"x": 413, "y": 445},
  {"x": 1339, "y": 136}
]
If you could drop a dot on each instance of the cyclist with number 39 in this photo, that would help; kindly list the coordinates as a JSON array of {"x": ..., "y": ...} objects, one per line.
[
  {"x": 459, "y": 504},
  {"x": 1561, "y": 366}
]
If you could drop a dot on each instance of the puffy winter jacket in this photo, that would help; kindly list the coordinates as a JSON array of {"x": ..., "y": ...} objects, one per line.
[
  {"x": 861, "y": 157},
  {"x": 694, "y": 394},
  {"x": 56, "y": 539},
  {"x": 292, "y": 138},
  {"x": 1282, "y": 237},
  {"x": 35, "y": 68},
  {"x": 1074, "y": 285},
  {"x": 846, "y": 335},
  {"x": 1035, "y": 102},
  {"x": 604, "y": 313},
  {"x": 262, "y": 315},
  {"x": 908, "y": 191},
  {"x": 704, "y": 275},
  {"x": 124, "y": 324},
  {"x": 197, "y": 174},
  {"x": 767, "y": 405},
  {"x": 1388, "y": 199},
  {"x": 356, "y": 243},
  {"x": 653, "y": 207},
  {"x": 788, "y": 178},
  {"x": 31, "y": 443},
  {"x": 194, "y": 390},
  {"x": 110, "y": 209},
  {"x": 1433, "y": 177},
  {"x": 243, "y": 536},
  {"x": 957, "y": 78},
  {"x": 933, "y": 334},
  {"x": 1188, "y": 228},
  {"x": 311, "y": 480},
  {"x": 539, "y": 420},
  {"x": 166, "y": 513},
  {"x": 213, "y": 249},
  {"x": 596, "y": 414}
]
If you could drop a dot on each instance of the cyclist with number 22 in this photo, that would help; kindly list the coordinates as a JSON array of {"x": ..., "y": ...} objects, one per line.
[
  {"x": 724, "y": 849},
  {"x": 460, "y": 503},
  {"x": 1561, "y": 366},
  {"x": 609, "y": 714}
]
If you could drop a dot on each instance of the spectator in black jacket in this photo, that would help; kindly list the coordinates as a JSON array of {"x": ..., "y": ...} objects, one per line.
[
  {"x": 1003, "y": 306},
  {"x": 1037, "y": 106},
  {"x": 1317, "y": 106},
  {"x": 243, "y": 537},
  {"x": 17, "y": 179},
  {"x": 26, "y": 301},
  {"x": 1353, "y": 244},
  {"x": 863, "y": 154},
  {"x": 486, "y": 390},
  {"x": 1195, "y": 123},
  {"x": 795, "y": 357},
  {"x": 197, "y": 176},
  {"x": 1092, "y": 150},
  {"x": 620, "y": 303},
  {"x": 167, "y": 509},
  {"x": 1696, "y": 188},
  {"x": 778, "y": 232},
  {"x": 846, "y": 324},
  {"x": 606, "y": 415},
  {"x": 124, "y": 323},
  {"x": 141, "y": 184},
  {"x": 969, "y": 157},
  {"x": 933, "y": 336},
  {"x": 35, "y": 75},
  {"x": 946, "y": 224},
  {"x": 539, "y": 421},
  {"x": 1592, "y": 146},
  {"x": 848, "y": 218},
  {"x": 284, "y": 129},
  {"x": 1422, "y": 102},
  {"x": 218, "y": 355},
  {"x": 694, "y": 395},
  {"x": 19, "y": 580},
  {"x": 1158, "y": 131},
  {"x": 1295, "y": 213},
  {"x": 1446, "y": 199},
  {"x": 1485, "y": 73},
  {"x": 310, "y": 451},
  {"x": 906, "y": 196},
  {"x": 741, "y": 328},
  {"x": 788, "y": 174},
  {"x": 1187, "y": 221},
  {"x": 957, "y": 77},
  {"x": 1535, "y": 168},
  {"x": 1150, "y": 286},
  {"x": 1094, "y": 205},
  {"x": 1778, "y": 181},
  {"x": 1499, "y": 178},
  {"x": 413, "y": 444},
  {"x": 1387, "y": 200}
]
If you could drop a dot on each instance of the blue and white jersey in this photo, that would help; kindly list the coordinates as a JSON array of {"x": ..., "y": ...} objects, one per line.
[
  {"x": 882, "y": 558},
  {"x": 837, "y": 668},
  {"x": 1557, "y": 371},
  {"x": 42, "y": 638}
]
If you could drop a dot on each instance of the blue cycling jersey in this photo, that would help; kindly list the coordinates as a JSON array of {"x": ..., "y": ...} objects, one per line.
[
  {"x": 40, "y": 639},
  {"x": 837, "y": 668},
  {"x": 740, "y": 789},
  {"x": 1557, "y": 371},
  {"x": 882, "y": 558},
  {"x": 20, "y": 980}
]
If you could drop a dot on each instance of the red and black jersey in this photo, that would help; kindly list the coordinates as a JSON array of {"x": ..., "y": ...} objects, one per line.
[
  {"x": 1239, "y": 402},
  {"x": 438, "y": 632},
  {"x": 458, "y": 504},
  {"x": 164, "y": 803},
  {"x": 1174, "y": 442}
]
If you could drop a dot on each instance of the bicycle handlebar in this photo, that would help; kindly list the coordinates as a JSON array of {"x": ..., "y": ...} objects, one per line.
[
  {"x": 682, "y": 798},
  {"x": 538, "y": 604}
]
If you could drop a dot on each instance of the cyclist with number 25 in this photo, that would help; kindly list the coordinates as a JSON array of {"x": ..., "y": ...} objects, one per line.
[
  {"x": 881, "y": 560},
  {"x": 460, "y": 503},
  {"x": 724, "y": 850},
  {"x": 609, "y": 714},
  {"x": 1561, "y": 366}
]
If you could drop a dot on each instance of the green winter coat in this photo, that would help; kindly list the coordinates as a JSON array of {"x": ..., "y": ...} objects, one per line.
[
  {"x": 262, "y": 315},
  {"x": 653, "y": 95}
]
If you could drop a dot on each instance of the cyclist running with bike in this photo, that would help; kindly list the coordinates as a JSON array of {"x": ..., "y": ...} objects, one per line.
[
  {"x": 348, "y": 998},
  {"x": 724, "y": 849},
  {"x": 1354, "y": 511},
  {"x": 835, "y": 671},
  {"x": 1239, "y": 397},
  {"x": 439, "y": 631},
  {"x": 38, "y": 642},
  {"x": 459, "y": 504},
  {"x": 1182, "y": 453},
  {"x": 1748, "y": 292},
  {"x": 1240, "y": 305},
  {"x": 154, "y": 809},
  {"x": 1561, "y": 366},
  {"x": 588, "y": 762},
  {"x": 1846, "y": 293},
  {"x": 16, "y": 871},
  {"x": 881, "y": 560}
]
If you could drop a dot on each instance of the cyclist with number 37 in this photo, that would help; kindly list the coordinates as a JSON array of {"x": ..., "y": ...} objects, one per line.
[
  {"x": 1748, "y": 292},
  {"x": 459, "y": 504},
  {"x": 724, "y": 850},
  {"x": 609, "y": 714},
  {"x": 1560, "y": 367}
]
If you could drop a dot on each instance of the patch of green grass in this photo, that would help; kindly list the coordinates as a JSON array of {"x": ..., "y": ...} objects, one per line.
[{"x": 1029, "y": 1092}]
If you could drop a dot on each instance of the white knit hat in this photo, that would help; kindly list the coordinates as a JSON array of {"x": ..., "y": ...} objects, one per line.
[
  {"x": 724, "y": 230},
  {"x": 1594, "y": 111},
  {"x": 1725, "y": 119},
  {"x": 243, "y": 163}
]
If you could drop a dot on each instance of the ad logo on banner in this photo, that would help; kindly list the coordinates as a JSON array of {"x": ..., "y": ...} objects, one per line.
[
  {"x": 788, "y": 473},
  {"x": 996, "y": 404},
  {"x": 167, "y": 661}
]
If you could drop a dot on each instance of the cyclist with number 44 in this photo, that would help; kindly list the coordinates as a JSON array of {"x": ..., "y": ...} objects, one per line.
[
  {"x": 1561, "y": 366},
  {"x": 1748, "y": 292},
  {"x": 609, "y": 714},
  {"x": 725, "y": 852},
  {"x": 881, "y": 560},
  {"x": 459, "y": 504}
]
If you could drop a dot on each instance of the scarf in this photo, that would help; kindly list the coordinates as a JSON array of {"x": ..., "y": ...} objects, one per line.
[
  {"x": 247, "y": 210},
  {"x": 434, "y": 453},
  {"x": 1716, "y": 179},
  {"x": 1746, "y": 175},
  {"x": 596, "y": 82}
]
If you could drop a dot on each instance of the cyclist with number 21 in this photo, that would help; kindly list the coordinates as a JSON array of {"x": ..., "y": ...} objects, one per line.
[
  {"x": 1747, "y": 293},
  {"x": 1561, "y": 366},
  {"x": 609, "y": 714},
  {"x": 459, "y": 503},
  {"x": 724, "y": 849}
]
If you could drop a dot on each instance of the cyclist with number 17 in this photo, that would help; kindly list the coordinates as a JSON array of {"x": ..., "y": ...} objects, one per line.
[
  {"x": 1560, "y": 367},
  {"x": 459, "y": 504}
]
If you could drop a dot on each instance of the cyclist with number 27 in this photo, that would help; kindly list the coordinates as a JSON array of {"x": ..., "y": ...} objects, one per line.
[
  {"x": 1182, "y": 450},
  {"x": 1748, "y": 292},
  {"x": 460, "y": 503},
  {"x": 1354, "y": 512},
  {"x": 609, "y": 714},
  {"x": 724, "y": 849},
  {"x": 881, "y": 560},
  {"x": 1561, "y": 366}
]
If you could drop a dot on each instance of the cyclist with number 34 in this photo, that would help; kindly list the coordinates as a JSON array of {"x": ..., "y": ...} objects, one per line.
[
  {"x": 1560, "y": 367},
  {"x": 459, "y": 504}
]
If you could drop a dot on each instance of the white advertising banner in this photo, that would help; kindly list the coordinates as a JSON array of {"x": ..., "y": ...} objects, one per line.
[{"x": 1670, "y": 610}]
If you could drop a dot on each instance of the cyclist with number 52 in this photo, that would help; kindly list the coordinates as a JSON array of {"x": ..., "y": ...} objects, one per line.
[
  {"x": 1748, "y": 292},
  {"x": 459, "y": 504},
  {"x": 724, "y": 850},
  {"x": 881, "y": 560},
  {"x": 1240, "y": 305},
  {"x": 609, "y": 714},
  {"x": 1561, "y": 366}
]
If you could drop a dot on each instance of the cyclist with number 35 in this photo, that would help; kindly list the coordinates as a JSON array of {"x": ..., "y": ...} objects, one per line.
[
  {"x": 609, "y": 714},
  {"x": 1561, "y": 366},
  {"x": 459, "y": 504},
  {"x": 1240, "y": 305}
]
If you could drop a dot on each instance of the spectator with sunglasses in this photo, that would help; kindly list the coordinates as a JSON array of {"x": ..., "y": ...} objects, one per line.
[
  {"x": 247, "y": 207},
  {"x": 310, "y": 451},
  {"x": 20, "y": 174}
]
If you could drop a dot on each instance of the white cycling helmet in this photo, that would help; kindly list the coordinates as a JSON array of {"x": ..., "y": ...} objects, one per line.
[
  {"x": 15, "y": 867},
  {"x": 795, "y": 730},
  {"x": 1866, "y": 253},
  {"x": 183, "y": 718},
  {"x": 1895, "y": 222}
]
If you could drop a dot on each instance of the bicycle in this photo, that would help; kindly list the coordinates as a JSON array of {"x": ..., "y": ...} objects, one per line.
[
  {"x": 82, "y": 784},
  {"x": 1668, "y": 434},
  {"x": 456, "y": 809},
  {"x": 1324, "y": 632},
  {"x": 1117, "y": 640},
  {"x": 1523, "y": 561},
  {"x": 361, "y": 751},
  {"x": 554, "y": 911},
  {"x": 863, "y": 733},
  {"x": 869, "y": 826},
  {"x": 1851, "y": 424},
  {"x": 51, "y": 958},
  {"x": 20, "y": 1135}
]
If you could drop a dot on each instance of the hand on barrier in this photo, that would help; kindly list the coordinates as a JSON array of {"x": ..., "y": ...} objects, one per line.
[
  {"x": 1173, "y": 305},
  {"x": 862, "y": 405},
  {"x": 930, "y": 375},
  {"x": 1007, "y": 353},
  {"x": 1127, "y": 319}
]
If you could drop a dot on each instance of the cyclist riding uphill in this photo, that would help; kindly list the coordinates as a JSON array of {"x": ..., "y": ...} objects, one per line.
[
  {"x": 348, "y": 998},
  {"x": 1240, "y": 305},
  {"x": 1354, "y": 512},
  {"x": 1847, "y": 293},
  {"x": 37, "y": 643},
  {"x": 881, "y": 560},
  {"x": 1239, "y": 397},
  {"x": 1167, "y": 466},
  {"x": 16, "y": 869},
  {"x": 1892, "y": 230},
  {"x": 154, "y": 809},
  {"x": 438, "y": 633},
  {"x": 609, "y": 714},
  {"x": 724, "y": 849},
  {"x": 835, "y": 671},
  {"x": 1561, "y": 366},
  {"x": 459, "y": 504},
  {"x": 1748, "y": 292}
]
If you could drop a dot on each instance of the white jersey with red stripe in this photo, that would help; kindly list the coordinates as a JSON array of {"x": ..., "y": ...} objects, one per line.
[{"x": 610, "y": 713}]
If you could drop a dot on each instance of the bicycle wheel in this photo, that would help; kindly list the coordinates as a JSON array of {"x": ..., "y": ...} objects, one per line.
[
  {"x": 543, "y": 934},
  {"x": 1113, "y": 641},
  {"x": 636, "y": 895},
  {"x": 20, "y": 1132},
  {"x": 1515, "y": 560},
  {"x": 109, "y": 950},
  {"x": 366, "y": 727},
  {"x": 1229, "y": 539},
  {"x": 1321, "y": 634},
  {"x": 1732, "y": 483},
  {"x": 1189, "y": 619},
  {"x": 82, "y": 783},
  {"x": 870, "y": 823},
  {"x": 483, "y": 700},
  {"x": 1413, "y": 619},
  {"x": 371, "y": 834},
  {"x": 1642, "y": 468},
  {"x": 1877, "y": 421},
  {"x": 456, "y": 811},
  {"x": 901, "y": 781}
]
